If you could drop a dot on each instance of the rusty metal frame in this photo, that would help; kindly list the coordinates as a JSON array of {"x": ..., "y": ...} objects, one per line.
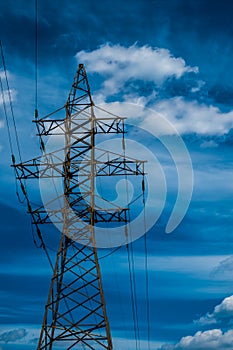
[{"x": 75, "y": 312}]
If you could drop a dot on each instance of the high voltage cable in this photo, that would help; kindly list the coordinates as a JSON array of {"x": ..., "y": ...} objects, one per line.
[
  {"x": 6, "y": 116},
  {"x": 10, "y": 101},
  {"x": 10, "y": 139},
  {"x": 130, "y": 255},
  {"x": 146, "y": 269},
  {"x": 36, "y": 54},
  {"x": 132, "y": 274},
  {"x": 132, "y": 298},
  {"x": 23, "y": 188}
]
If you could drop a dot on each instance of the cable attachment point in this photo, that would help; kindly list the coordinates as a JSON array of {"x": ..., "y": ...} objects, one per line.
[
  {"x": 143, "y": 185},
  {"x": 13, "y": 159}
]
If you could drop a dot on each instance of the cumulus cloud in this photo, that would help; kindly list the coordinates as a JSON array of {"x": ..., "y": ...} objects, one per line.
[
  {"x": 13, "y": 335},
  {"x": 185, "y": 116},
  {"x": 208, "y": 340},
  {"x": 223, "y": 311},
  {"x": 193, "y": 117},
  {"x": 119, "y": 64}
]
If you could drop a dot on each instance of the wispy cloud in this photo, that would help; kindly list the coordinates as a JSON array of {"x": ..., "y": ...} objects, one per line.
[
  {"x": 13, "y": 335},
  {"x": 25, "y": 335},
  {"x": 224, "y": 267}
]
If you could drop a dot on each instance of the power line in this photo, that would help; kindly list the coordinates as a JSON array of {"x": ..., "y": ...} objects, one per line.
[
  {"x": 6, "y": 117},
  {"x": 134, "y": 291},
  {"x": 133, "y": 302},
  {"x": 36, "y": 54},
  {"x": 146, "y": 267},
  {"x": 10, "y": 101},
  {"x": 24, "y": 191},
  {"x": 130, "y": 256},
  {"x": 8, "y": 124}
]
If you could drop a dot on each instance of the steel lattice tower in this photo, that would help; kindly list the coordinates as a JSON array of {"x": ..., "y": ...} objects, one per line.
[{"x": 75, "y": 313}]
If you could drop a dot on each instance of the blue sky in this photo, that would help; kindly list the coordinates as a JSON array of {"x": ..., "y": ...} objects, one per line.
[{"x": 174, "y": 57}]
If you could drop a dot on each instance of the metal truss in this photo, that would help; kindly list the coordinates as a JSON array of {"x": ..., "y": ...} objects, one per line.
[{"x": 75, "y": 313}]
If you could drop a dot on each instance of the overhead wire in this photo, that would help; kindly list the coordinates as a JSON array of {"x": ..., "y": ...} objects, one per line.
[
  {"x": 132, "y": 267},
  {"x": 43, "y": 245},
  {"x": 10, "y": 139},
  {"x": 120, "y": 246},
  {"x": 6, "y": 117},
  {"x": 116, "y": 280},
  {"x": 129, "y": 246},
  {"x": 36, "y": 54},
  {"x": 133, "y": 302},
  {"x": 130, "y": 257},
  {"x": 10, "y": 101},
  {"x": 146, "y": 266},
  {"x": 131, "y": 264},
  {"x": 22, "y": 185}
]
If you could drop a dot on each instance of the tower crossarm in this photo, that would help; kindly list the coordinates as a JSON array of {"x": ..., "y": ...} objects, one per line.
[
  {"x": 42, "y": 216},
  {"x": 120, "y": 166},
  {"x": 52, "y": 166},
  {"x": 80, "y": 125}
]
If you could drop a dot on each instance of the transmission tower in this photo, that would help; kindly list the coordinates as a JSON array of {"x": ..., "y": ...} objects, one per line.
[{"x": 75, "y": 313}]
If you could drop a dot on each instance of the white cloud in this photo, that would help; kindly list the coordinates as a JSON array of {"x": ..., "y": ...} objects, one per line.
[
  {"x": 208, "y": 340},
  {"x": 129, "y": 344},
  {"x": 2, "y": 74},
  {"x": 13, "y": 92},
  {"x": 199, "y": 265},
  {"x": 182, "y": 115},
  {"x": 13, "y": 335},
  {"x": 19, "y": 336},
  {"x": 225, "y": 267},
  {"x": 209, "y": 144},
  {"x": 120, "y": 64},
  {"x": 192, "y": 117},
  {"x": 222, "y": 311},
  {"x": 198, "y": 87},
  {"x": 6, "y": 97}
]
